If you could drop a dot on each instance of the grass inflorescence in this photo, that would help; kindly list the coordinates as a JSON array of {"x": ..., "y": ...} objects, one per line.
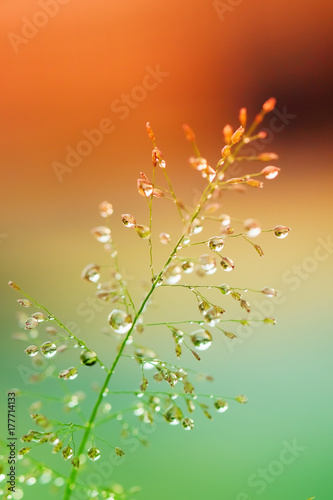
[{"x": 76, "y": 439}]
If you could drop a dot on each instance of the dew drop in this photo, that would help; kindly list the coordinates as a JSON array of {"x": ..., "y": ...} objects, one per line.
[
  {"x": 91, "y": 273},
  {"x": 39, "y": 316},
  {"x": 225, "y": 289},
  {"x": 68, "y": 374},
  {"x": 142, "y": 231},
  {"x": 24, "y": 302},
  {"x": 186, "y": 241},
  {"x": 188, "y": 424},
  {"x": 202, "y": 339},
  {"x": 67, "y": 453},
  {"x": 172, "y": 274},
  {"x": 241, "y": 399},
  {"x": 207, "y": 262},
  {"x": 32, "y": 350},
  {"x": 88, "y": 358},
  {"x": 188, "y": 266},
  {"x": 48, "y": 349},
  {"x": 270, "y": 172},
  {"x": 146, "y": 354},
  {"x": 139, "y": 410},
  {"x": 225, "y": 220},
  {"x": 102, "y": 234},
  {"x": 120, "y": 321},
  {"x": 270, "y": 292},
  {"x": 252, "y": 228},
  {"x": 94, "y": 454},
  {"x": 281, "y": 231},
  {"x": 195, "y": 227},
  {"x": 212, "y": 315},
  {"x": 227, "y": 264},
  {"x": 31, "y": 323},
  {"x": 221, "y": 405},
  {"x": 128, "y": 220},
  {"x": 165, "y": 238},
  {"x": 51, "y": 330},
  {"x": 105, "y": 290},
  {"x": 173, "y": 415},
  {"x": 216, "y": 244},
  {"x": 105, "y": 209}
]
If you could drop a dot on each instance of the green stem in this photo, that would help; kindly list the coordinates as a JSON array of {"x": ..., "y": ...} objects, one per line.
[
  {"x": 70, "y": 485},
  {"x": 173, "y": 195}
]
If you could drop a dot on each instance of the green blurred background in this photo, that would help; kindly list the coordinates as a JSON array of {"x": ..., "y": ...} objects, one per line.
[{"x": 219, "y": 56}]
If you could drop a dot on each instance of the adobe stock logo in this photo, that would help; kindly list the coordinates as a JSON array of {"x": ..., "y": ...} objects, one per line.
[
  {"x": 120, "y": 107},
  {"x": 222, "y": 7},
  {"x": 265, "y": 476},
  {"x": 31, "y": 27}
]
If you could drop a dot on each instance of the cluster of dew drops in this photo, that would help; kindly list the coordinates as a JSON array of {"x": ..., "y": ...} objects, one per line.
[{"x": 121, "y": 321}]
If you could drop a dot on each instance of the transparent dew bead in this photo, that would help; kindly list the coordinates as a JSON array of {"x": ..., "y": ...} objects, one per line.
[
  {"x": 142, "y": 231},
  {"x": 39, "y": 316},
  {"x": 102, "y": 234},
  {"x": 216, "y": 244},
  {"x": 225, "y": 289},
  {"x": 241, "y": 399},
  {"x": 88, "y": 358},
  {"x": 48, "y": 349},
  {"x": 173, "y": 415},
  {"x": 188, "y": 424},
  {"x": 165, "y": 238},
  {"x": 270, "y": 172},
  {"x": 195, "y": 227},
  {"x": 228, "y": 230},
  {"x": 252, "y": 228},
  {"x": 31, "y": 323},
  {"x": 227, "y": 264},
  {"x": 201, "y": 339},
  {"x": 51, "y": 330},
  {"x": 24, "y": 302},
  {"x": 68, "y": 374},
  {"x": 281, "y": 231},
  {"x": 172, "y": 274},
  {"x": 270, "y": 292},
  {"x": 188, "y": 267},
  {"x": 120, "y": 321},
  {"x": 32, "y": 350},
  {"x": 186, "y": 241},
  {"x": 225, "y": 220},
  {"x": 67, "y": 453},
  {"x": 105, "y": 290},
  {"x": 91, "y": 273},
  {"x": 146, "y": 354},
  {"x": 128, "y": 220},
  {"x": 221, "y": 405},
  {"x": 203, "y": 306},
  {"x": 207, "y": 262},
  {"x": 94, "y": 454},
  {"x": 212, "y": 316},
  {"x": 105, "y": 209},
  {"x": 269, "y": 321}
]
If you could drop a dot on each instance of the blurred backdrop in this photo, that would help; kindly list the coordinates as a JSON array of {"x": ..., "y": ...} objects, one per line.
[{"x": 71, "y": 67}]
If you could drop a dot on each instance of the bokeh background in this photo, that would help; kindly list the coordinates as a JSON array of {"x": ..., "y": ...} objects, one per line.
[{"x": 65, "y": 77}]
